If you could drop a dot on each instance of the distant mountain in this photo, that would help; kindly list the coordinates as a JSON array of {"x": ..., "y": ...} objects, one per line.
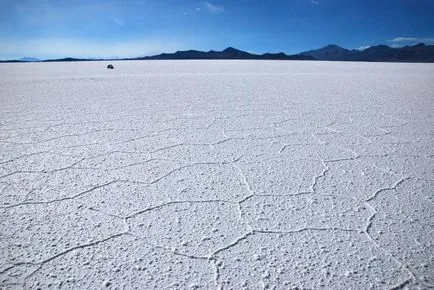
[
  {"x": 228, "y": 53},
  {"x": 68, "y": 59},
  {"x": 329, "y": 52},
  {"x": 11, "y": 61},
  {"x": 416, "y": 53},
  {"x": 379, "y": 53},
  {"x": 49, "y": 60},
  {"x": 29, "y": 59},
  {"x": 382, "y": 53}
]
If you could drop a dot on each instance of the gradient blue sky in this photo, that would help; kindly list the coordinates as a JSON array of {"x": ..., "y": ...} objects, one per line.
[{"x": 114, "y": 28}]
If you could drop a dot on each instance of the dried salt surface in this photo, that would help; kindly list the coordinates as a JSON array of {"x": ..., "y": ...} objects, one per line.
[{"x": 216, "y": 175}]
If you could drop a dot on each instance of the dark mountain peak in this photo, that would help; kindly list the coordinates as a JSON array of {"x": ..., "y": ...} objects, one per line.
[
  {"x": 231, "y": 52},
  {"x": 65, "y": 59},
  {"x": 380, "y": 46},
  {"x": 329, "y": 52},
  {"x": 278, "y": 54},
  {"x": 420, "y": 45},
  {"x": 230, "y": 49},
  {"x": 334, "y": 47},
  {"x": 185, "y": 51},
  {"x": 381, "y": 49}
]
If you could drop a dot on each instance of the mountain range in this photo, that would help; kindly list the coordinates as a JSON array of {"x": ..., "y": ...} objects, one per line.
[
  {"x": 379, "y": 53},
  {"x": 228, "y": 53},
  {"x": 383, "y": 53}
]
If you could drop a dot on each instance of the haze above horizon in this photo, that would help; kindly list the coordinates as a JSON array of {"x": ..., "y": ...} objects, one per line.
[{"x": 112, "y": 28}]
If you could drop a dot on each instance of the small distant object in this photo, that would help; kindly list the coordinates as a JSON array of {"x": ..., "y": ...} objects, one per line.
[{"x": 110, "y": 66}]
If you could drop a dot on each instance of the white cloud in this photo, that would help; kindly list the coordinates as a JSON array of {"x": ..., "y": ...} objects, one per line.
[
  {"x": 314, "y": 2},
  {"x": 118, "y": 21},
  {"x": 59, "y": 47},
  {"x": 411, "y": 39},
  {"x": 214, "y": 8},
  {"x": 363, "y": 47}
]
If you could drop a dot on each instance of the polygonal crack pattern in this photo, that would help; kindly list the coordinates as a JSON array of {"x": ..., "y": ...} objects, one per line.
[
  {"x": 307, "y": 259},
  {"x": 223, "y": 175}
]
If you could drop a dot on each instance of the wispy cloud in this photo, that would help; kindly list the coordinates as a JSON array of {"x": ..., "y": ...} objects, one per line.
[
  {"x": 314, "y": 2},
  {"x": 363, "y": 47},
  {"x": 411, "y": 39},
  {"x": 118, "y": 21},
  {"x": 213, "y": 8}
]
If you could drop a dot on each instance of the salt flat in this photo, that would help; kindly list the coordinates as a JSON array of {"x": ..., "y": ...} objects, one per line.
[{"x": 216, "y": 174}]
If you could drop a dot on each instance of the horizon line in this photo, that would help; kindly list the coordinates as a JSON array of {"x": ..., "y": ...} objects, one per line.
[{"x": 149, "y": 57}]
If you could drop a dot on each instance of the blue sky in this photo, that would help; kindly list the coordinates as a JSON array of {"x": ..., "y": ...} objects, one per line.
[{"x": 115, "y": 28}]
